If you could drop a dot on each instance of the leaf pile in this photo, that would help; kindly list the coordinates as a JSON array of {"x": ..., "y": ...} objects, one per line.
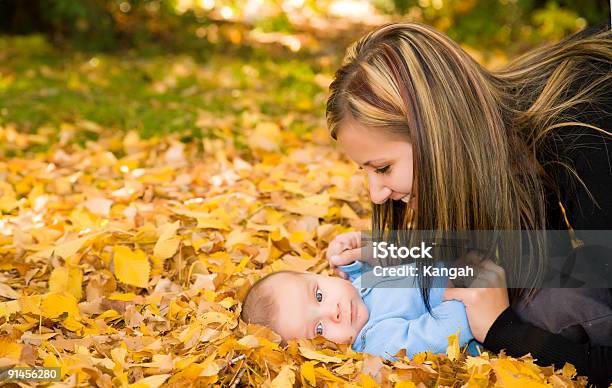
[{"x": 124, "y": 263}]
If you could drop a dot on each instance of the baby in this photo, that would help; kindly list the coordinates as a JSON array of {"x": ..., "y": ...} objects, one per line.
[{"x": 379, "y": 320}]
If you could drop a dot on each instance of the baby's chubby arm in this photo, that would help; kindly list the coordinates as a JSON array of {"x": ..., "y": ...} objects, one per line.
[{"x": 425, "y": 333}]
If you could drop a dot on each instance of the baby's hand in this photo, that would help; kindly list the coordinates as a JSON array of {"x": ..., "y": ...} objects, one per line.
[{"x": 344, "y": 249}]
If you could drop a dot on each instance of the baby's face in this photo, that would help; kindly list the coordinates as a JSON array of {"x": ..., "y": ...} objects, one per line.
[{"x": 311, "y": 305}]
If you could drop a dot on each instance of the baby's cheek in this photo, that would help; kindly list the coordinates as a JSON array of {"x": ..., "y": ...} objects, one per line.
[
  {"x": 351, "y": 290},
  {"x": 339, "y": 335}
]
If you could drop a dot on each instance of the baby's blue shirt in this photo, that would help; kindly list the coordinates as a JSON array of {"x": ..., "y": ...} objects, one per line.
[{"x": 398, "y": 318}]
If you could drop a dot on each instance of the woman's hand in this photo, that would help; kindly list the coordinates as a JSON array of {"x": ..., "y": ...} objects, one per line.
[
  {"x": 484, "y": 303},
  {"x": 344, "y": 249}
]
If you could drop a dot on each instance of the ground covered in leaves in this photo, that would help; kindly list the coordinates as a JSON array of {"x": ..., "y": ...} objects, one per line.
[
  {"x": 130, "y": 270},
  {"x": 124, "y": 257}
]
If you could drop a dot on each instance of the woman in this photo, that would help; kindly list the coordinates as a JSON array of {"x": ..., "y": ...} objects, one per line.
[{"x": 449, "y": 145}]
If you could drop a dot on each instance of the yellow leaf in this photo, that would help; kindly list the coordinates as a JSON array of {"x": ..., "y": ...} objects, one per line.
[
  {"x": 154, "y": 381},
  {"x": 67, "y": 249},
  {"x": 372, "y": 366},
  {"x": 67, "y": 280},
  {"x": 82, "y": 219},
  {"x": 9, "y": 349},
  {"x": 297, "y": 237},
  {"x": 285, "y": 378},
  {"x": 419, "y": 357},
  {"x": 568, "y": 371},
  {"x": 367, "y": 381},
  {"x": 204, "y": 283},
  {"x": 190, "y": 333},
  {"x": 347, "y": 212},
  {"x": 131, "y": 267},
  {"x": 268, "y": 185},
  {"x": 472, "y": 362},
  {"x": 235, "y": 237},
  {"x": 159, "y": 361},
  {"x": 250, "y": 341},
  {"x": 100, "y": 206},
  {"x": 298, "y": 264},
  {"x": 266, "y": 136},
  {"x": 511, "y": 372},
  {"x": 54, "y": 304},
  {"x": 307, "y": 373},
  {"x": 70, "y": 248},
  {"x": 182, "y": 363},
  {"x": 168, "y": 242},
  {"x": 45, "y": 236},
  {"x": 191, "y": 372},
  {"x": 51, "y": 361},
  {"x": 209, "y": 366},
  {"x": 306, "y": 209},
  {"x": 314, "y": 355},
  {"x": 118, "y": 355},
  {"x": 8, "y": 308},
  {"x": 72, "y": 324},
  {"x": 125, "y": 297},
  {"x": 30, "y": 304},
  {"x": 8, "y": 292},
  {"x": 217, "y": 317},
  {"x": 294, "y": 187},
  {"x": 324, "y": 374},
  {"x": 453, "y": 351},
  {"x": 508, "y": 379},
  {"x": 314, "y": 205},
  {"x": 348, "y": 368},
  {"x": 8, "y": 200},
  {"x": 212, "y": 223},
  {"x": 404, "y": 384}
]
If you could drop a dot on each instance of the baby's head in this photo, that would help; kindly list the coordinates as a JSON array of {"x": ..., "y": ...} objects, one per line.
[{"x": 304, "y": 305}]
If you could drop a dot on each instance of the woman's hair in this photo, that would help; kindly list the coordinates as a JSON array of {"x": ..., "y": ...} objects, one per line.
[{"x": 475, "y": 133}]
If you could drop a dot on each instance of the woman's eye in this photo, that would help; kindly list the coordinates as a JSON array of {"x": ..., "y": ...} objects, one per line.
[
  {"x": 319, "y": 295},
  {"x": 382, "y": 170},
  {"x": 319, "y": 329}
]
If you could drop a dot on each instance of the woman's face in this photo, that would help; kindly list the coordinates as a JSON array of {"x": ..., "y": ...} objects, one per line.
[{"x": 387, "y": 162}]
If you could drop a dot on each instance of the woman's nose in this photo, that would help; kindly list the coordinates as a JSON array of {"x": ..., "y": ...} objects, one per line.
[{"x": 379, "y": 193}]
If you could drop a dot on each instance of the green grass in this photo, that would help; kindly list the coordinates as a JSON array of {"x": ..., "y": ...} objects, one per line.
[{"x": 155, "y": 92}]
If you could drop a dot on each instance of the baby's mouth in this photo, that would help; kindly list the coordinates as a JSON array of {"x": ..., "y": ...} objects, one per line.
[{"x": 352, "y": 312}]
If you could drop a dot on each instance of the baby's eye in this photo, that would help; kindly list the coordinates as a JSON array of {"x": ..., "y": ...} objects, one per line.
[
  {"x": 319, "y": 329},
  {"x": 319, "y": 295},
  {"x": 382, "y": 170}
]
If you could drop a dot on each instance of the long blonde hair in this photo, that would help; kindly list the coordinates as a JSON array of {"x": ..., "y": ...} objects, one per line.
[{"x": 475, "y": 133}]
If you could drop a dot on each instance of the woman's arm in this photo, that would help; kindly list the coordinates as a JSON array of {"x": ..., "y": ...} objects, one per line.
[
  {"x": 518, "y": 337},
  {"x": 498, "y": 327},
  {"x": 485, "y": 300}
]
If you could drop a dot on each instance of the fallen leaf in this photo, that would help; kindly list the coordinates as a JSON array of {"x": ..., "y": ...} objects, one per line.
[
  {"x": 131, "y": 267},
  {"x": 314, "y": 355}
]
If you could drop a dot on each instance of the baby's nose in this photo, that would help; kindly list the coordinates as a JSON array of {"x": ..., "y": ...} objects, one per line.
[{"x": 335, "y": 313}]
